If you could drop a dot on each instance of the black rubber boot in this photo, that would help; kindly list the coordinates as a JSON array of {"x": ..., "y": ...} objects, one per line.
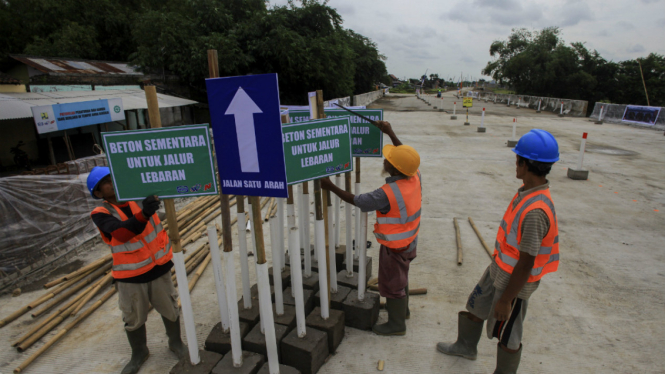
[
  {"x": 138, "y": 342},
  {"x": 396, "y": 324},
  {"x": 175, "y": 342},
  {"x": 468, "y": 335},
  {"x": 408, "y": 311},
  {"x": 507, "y": 363}
]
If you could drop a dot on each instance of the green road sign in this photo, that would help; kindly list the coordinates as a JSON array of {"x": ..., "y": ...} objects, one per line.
[
  {"x": 316, "y": 149},
  {"x": 167, "y": 162},
  {"x": 366, "y": 139}
]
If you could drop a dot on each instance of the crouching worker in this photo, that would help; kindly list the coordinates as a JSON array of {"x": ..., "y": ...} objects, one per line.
[
  {"x": 141, "y": 265},
  {"x": 397, "y": 204},
  {"x": 527, "y": 248}
]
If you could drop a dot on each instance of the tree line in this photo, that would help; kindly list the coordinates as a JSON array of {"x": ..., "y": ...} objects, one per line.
[
  {"x": 305, "y": 43},
  {"x": 540, "y": 63}
]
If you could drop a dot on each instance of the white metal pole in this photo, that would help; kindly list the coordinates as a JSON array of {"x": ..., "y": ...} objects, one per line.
[
  {"x": 280, "y": 232},
  {"x": 296, "y": 276},
  {"x": 582, "y": 146},
  {"x": 454, "y": 107},
  {"x": 482, "y": 119},
  {"x": 336, "y": 204},
  {"x": 256, "y": 264},
  {"x": 320, "y": 239},
  {"x": 244, "y": 261},
  {"x": 306, "y": 235},
  {"x": 519, "y": 101},
  {"x": 332, "y": 253},
  {"x": 539, "y": 102},
  {"x": 298, "y": 200},
  {"x": 561, "y": 107},
  {"x": 186, "y": 303},
  {"x": 231, "y": 297},
  {"x": 358, "y": 244},
  {"x": 265, "y": 304},
  {"x": 219, "y": 277},
  {"x": 349, "y": 241},
  {"x": 514, "y": 127},
  {"x": 600, "y": 115},
  {"x": 362, "y": 258},
  {"x": 276, "y": 266}
]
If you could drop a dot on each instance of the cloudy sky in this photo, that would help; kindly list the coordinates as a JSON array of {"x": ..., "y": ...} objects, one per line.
[{"x": 453, "y": 36}]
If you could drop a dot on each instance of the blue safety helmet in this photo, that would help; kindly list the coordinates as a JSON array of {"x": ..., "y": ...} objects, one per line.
[
  {"x": 96, "y": 174},
  {"x": 538, "y": 145}
]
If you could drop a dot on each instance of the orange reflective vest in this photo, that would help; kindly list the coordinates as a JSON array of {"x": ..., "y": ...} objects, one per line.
[
  {"x": 141, "y": 253},
  {"x": 509, "y": 237},
  {"x": 399, "y": 227}
]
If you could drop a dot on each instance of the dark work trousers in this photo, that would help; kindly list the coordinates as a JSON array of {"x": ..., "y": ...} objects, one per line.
[{"x": 394, "y": 272}]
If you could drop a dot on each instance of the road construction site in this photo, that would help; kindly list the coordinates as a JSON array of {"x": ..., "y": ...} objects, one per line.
[{"x": 600, "y": 312}]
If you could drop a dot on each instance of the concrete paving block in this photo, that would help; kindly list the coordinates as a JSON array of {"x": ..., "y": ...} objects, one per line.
[
  {"x": 286, "y": 277},
  {"x": 337, "y": 298},
  {"x": 255, "y": 341},
  {"x": 251, "y": 363},
  {"x": 441, "y": 110},
  {"x": 578, "y": 175},
  {"x": 308, "y": 298},
  {"x": 340, "y": 256},
  {"x": 511, "y": 143},
  {"x": 368, "y": 266},
  {"x": 287, "y": 319},
  {"x": 220, "y": 342},
  {"x": 562, "y": 115},
  {"x": 333, "y": 326},
  {"x": 453, "y": 117},
  {"x": 598, "y": 122},
  {"x": 283, "y": 369},
  {"x": 208, "y": 361},
  {"x": 251, "y": 315},
  {"x": 311, "y": 282},
  {"x": 467, "y": 123},
  {"x": 482, "y": 129},
  {"x": 306, "y": 354},
  {"x": 361, "y": 315},
  {"x": 345, "y": 281}
]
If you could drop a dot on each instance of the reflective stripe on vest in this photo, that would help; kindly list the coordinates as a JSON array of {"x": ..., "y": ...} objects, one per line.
[
  {"x": 396, "y": 228},
  {"x": 548, "y": 253}
]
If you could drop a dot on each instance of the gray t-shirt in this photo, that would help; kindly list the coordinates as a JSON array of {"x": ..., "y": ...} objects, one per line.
[
  {"x": 534, "y": 229},
  {"x": 378, "y": 200}
]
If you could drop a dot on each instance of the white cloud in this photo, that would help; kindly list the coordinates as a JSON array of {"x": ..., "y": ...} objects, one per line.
[{"x": 636, "y": 48}]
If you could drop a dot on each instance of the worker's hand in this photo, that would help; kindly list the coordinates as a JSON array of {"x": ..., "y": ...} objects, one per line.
[
  {"x": 326, "y": 183},
  {"x": 384, "y": 126},
  {"x": 150, "y": 206},
  {"x": 502, "y": 310}
]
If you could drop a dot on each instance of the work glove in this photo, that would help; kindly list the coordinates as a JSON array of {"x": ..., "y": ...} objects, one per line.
[{"x": 150, "y": 206}]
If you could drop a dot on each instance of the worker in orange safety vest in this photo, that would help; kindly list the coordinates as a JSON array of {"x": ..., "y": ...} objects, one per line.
[
  {"x": 398, "y": 205},
  {"x": 142, "y": 265},
  {"x": 526, "y": 248}
]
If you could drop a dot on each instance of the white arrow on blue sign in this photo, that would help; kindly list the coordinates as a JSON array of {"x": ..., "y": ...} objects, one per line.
[{"x": 247, "y": 130}]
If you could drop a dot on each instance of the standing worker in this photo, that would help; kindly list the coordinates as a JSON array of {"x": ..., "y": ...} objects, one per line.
[
  {"x": 397, "y": 204},
  {"x": 527, "y": 248},
  {"x": 141, "y": 265}
]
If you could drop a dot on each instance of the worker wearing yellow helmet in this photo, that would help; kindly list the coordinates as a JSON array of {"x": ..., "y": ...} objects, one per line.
[{"x": 397, "y": 204}]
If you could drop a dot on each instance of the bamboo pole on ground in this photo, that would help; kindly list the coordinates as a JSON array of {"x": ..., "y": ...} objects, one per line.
[
  {"x": 105, "y": 281},
  {"x": 59, "y": 289},
  {"x": 64, "y": 331},
  {"x": 482, "y": 241},
  {"x": 459, "y": 242},
  {"x": 84, "y": 269}
]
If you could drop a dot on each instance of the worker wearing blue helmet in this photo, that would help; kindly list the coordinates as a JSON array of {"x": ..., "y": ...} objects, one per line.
[
  {"x": 141, "y": 265},
  {"x": 526, "y": 248}
]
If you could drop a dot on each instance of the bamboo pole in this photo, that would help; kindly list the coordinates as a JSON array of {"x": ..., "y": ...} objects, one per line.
[
  {"x": 64, "y": 331},
  {"x": 57, "y": 290},
  {"x": 459, "y": 242},
  {"x": 482, "y": 241},
  {"x": 643, "y": 83},
  {"x": 84, "y": 269},
  {"x": 106, "y": 280},
  {"x": 272, "y": 203}
]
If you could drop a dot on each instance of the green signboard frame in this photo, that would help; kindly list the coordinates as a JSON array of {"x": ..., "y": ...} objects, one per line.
[
  {"x": 317, "y": 149},
  {"x": 366, "y": 139},
  {"x": 168, "y": 162}
]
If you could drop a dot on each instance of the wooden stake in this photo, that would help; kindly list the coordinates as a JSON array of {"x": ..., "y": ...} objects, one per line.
[
  {"x": 459, "y": 242},
  {"x": 643, "y": 83},
  {"x": 258, "y": 230},
  {"x": 482, "y": 241}
]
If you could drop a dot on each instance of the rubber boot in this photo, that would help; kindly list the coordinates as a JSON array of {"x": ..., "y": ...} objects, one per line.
[
  {"x": 468, "y": 335},
  {"x": 507, "y": 363},
  {"x": 396, "y": 324},
  {"x": 175, "y": 342},
  {"x": 408, "y": 311},
  {"x": 138, "y": 342}
]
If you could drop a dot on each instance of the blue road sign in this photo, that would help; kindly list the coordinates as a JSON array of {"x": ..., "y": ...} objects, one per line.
[{"x": 246, "y": 124}]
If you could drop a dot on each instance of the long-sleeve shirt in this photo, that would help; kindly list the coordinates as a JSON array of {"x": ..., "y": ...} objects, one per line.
[{"x": 124, "y": 231}]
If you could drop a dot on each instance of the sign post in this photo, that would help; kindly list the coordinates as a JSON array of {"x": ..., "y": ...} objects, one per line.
[
  {"x": 174, "y": 236},
  {"x": 467, "y": 103}
]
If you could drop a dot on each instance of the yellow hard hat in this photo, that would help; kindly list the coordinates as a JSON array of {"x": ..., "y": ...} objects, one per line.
[{"x": 402, "y": 157}]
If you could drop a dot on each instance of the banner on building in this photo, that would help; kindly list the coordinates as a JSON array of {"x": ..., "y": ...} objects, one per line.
[
  {"x": 168, "y": 162},
  {"x": 644, "y": 115},
  {"x": 317, "y": 149},
  {"x": 57, "y": 117}
]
